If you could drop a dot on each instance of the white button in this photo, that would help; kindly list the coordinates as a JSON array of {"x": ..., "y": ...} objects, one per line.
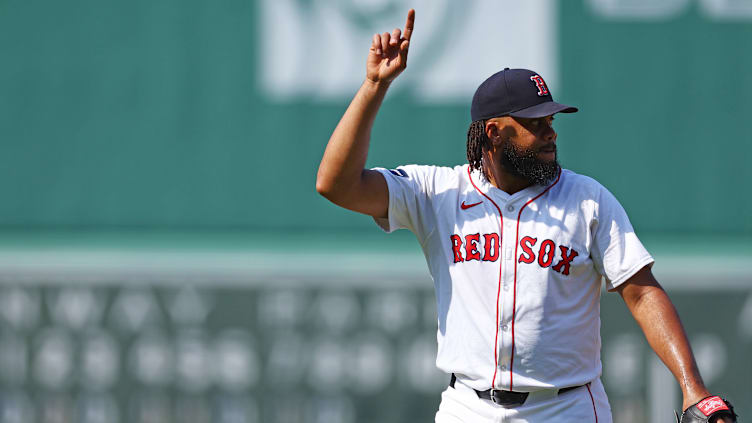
[
  {"x": 504, "y": 327},
  {"x": 506, "y": 287},
  {"x": 510, "y": 208},
  {"x": 503, "y": 367}
]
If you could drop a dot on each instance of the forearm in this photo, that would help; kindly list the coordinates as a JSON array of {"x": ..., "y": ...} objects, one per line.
[
  {"x": 341, "y": 177},
  {"x": 345, "y": 156},
  {"x": 660, "y": 322}
]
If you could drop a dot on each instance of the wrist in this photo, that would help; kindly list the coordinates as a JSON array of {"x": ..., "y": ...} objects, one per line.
[
  {"x": 379, "y": 85},
  {"x": 694, "y": 396}
]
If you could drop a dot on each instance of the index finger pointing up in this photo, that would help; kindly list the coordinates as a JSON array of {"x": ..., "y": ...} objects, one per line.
[{"x": 408, "y": 32}]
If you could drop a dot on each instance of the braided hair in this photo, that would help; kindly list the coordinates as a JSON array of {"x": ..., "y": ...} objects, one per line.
[{"x": 477, "y": 141}]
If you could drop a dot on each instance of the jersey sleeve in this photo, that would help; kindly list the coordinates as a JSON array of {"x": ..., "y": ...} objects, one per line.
[
  {"x": 617, "y": 252},
  {"x": 410, "y": 190}
]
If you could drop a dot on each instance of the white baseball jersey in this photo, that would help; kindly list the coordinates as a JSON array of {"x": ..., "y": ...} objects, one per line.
[{"x": 517, "y": 277}]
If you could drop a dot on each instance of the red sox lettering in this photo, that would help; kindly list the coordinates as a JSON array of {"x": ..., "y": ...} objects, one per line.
[
  {"x": 486, "y": 248},
  {"x": 472, "y": 247}
]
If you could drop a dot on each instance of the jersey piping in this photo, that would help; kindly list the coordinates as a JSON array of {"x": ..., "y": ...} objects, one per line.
[
  {"x": 593, "y": 401},
  {"x": 498, "y": 290}
]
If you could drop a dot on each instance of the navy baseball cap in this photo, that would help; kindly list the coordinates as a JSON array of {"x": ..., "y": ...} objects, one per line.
[{"x": 515, "y": 92}]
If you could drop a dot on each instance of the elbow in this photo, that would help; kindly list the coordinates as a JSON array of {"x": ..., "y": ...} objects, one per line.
[
  {"x": 324, "y": 187},
  {"x": 331, "y": 190},
  {"x": 336, "y": 188},
  {"x": 321, "y": 187}
]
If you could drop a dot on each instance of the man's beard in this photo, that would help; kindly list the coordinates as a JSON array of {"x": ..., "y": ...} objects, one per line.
[{"x": 524, "y": 164}]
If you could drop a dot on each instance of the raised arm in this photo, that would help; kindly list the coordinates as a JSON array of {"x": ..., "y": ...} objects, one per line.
[{"x": 341, "y": 177}]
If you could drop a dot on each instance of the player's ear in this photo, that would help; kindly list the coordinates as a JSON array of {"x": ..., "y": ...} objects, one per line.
[
  {"x": 493, "y": 131},
  {"x": 499, "y": 130}
]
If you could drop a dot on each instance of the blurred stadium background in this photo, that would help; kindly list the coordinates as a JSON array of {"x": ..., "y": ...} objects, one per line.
[{"x": 164, "y": 256}]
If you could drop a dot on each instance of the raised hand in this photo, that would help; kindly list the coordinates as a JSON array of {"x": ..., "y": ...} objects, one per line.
[{"x": 387, "y": 57}]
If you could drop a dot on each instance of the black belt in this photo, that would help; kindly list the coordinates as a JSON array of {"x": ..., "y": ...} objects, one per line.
[{"x": 507, "y": 398}]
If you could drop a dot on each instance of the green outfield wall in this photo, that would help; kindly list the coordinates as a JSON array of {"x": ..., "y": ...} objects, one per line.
[{"x": 215, "y": 114}]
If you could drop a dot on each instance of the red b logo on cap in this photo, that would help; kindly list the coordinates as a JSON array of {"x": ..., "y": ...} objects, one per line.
[{"x": 542, "y": 88}]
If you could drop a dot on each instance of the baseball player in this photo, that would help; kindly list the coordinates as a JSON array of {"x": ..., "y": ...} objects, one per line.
[{"x": 517, "y": 247}]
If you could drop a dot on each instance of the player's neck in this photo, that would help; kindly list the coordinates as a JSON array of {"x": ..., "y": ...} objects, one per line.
[{"x": 504, "y": 180}]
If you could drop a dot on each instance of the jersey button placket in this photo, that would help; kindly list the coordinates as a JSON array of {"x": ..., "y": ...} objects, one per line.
[{"x": 507, "y": 299}]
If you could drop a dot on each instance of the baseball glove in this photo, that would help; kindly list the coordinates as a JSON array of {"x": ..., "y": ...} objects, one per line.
[{"x": 707, "y": 410}]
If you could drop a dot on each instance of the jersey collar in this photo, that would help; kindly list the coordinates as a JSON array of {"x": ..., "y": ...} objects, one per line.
[{"x": 484, "y": 185}]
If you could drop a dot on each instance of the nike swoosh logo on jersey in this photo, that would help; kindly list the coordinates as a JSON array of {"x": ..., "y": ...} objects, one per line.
[{"x": 467, "y": 206}]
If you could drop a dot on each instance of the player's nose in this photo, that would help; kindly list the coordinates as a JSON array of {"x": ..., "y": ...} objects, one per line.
[{"x": 550, "y": 135}]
